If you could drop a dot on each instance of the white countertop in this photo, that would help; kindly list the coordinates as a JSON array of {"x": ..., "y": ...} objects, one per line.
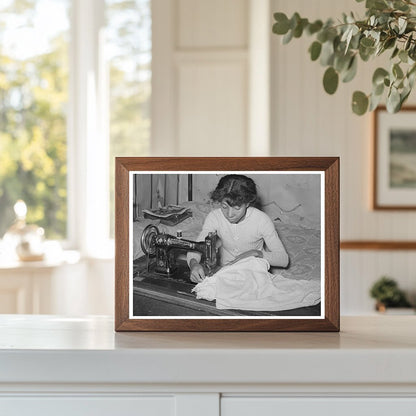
[{"x": 53, "y": 349}]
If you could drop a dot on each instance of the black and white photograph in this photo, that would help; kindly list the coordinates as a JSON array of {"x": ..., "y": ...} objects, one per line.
[{"x": 227, "y": 244}]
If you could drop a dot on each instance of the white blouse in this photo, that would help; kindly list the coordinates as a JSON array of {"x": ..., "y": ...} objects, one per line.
[{"x": 255, "y": 232}]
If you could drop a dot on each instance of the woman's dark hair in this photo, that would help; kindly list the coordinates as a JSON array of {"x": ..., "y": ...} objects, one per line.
[{"x": 235, "y": 190}]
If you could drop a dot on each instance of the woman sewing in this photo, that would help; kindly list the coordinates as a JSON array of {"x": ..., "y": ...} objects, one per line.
[{"x": 244, "y": 230}]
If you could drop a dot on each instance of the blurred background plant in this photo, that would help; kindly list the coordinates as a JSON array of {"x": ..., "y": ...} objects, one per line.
[
  {"x": 387, "y": 294},
  {"x": 387, "y": 28}
]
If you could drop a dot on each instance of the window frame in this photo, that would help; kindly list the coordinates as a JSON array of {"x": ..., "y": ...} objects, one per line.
[
  {"x": 87, "y": 128},
  {"x": 87, "y": 133}
]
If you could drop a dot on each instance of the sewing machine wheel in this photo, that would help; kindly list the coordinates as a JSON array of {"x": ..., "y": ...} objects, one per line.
[{"x": 147, "y": 240}]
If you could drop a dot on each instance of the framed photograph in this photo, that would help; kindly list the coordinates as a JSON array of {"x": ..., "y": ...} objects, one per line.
[
  {"x": 394, "y": 180},
  {"x": 227, "y": 244}
]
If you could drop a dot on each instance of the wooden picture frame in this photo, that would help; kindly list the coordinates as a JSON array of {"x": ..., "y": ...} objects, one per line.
[
  {"x": 394, "y": 158},
  {"x": 134, "y": 289}
]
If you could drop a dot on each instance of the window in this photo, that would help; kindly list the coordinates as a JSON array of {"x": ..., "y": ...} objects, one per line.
[
  {"x": 75, "y": 86},
  {"x": 33, "y": 99}
]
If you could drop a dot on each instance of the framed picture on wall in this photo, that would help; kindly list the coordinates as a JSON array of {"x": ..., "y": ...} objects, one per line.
[
  {"x": 227, "y": 244},
  {"x": 394, "y": 179}
]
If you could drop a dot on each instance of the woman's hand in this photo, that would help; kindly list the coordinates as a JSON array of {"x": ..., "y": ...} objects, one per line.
[{"x": 197, "y": 272}]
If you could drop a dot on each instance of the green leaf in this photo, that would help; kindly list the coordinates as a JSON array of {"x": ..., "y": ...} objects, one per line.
[
  {"x": 330, "y": 80},
  {"x": 365, "y": 53},
  {"x": 294, "y": 20},
  {"x": 359, "y": 103},
  {"x": 332, "y": 33},
  {"x": 399, "y": 85},
  {"x": 348, "y": 35},
  {"x": 288, "y": 37},
  {"x": 366, "y": 48},
  {"x": 378, "y": 89},
  {"x": 355, "y": 41},
  {"x": 400, "y": 5},
  {"x": 351, "y": 71},
  {"x": 403, "y": 56},
  {"x": 327, "y": 53},
  {"x": 379, "y": 75},
  {"x": 281, "y": 27},
  {"x": 393, "y": 101},
  {"x": 351, "y": 18},
  {"x": 342, "y": 62},
  {"x": 367, "y": 42},
  {"x": 389, "y": 43},
  {"x": 374, "y": 101},
  {"x": 404, "y": 95},
  {"x": 337, "y": 42},
  {"x": 395, "y": 52},
  {"x": 298, "y": 30},
  {"x": 394, "y": 26},
  {"x": 382, "y": 19},
  {"x": 412, "y": 70},
  {"x": 315, "y": 50},
  {"x": 412, "y": 52},
  {"x": 376, "y": 4},
  {"x": 408, "y": 42},
  {"x": 411, "y": 76},
  {"x": 314, "y": 27},
  {"x": 397, "y": 71}
]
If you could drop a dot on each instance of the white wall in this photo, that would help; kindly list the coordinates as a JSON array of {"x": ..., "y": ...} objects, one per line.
[
  {"x": 308, "y": 122},
  {"x": 203, "y": 81},
  {"x": 200, "y": 78},
  {"x": 294, "y": 199}
]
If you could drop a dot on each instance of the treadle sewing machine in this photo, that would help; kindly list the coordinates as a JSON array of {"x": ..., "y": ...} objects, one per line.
[{"x": 163, "y": 250}]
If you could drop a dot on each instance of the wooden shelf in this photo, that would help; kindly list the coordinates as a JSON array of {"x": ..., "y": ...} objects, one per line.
[{"x": 377, "y": 245}]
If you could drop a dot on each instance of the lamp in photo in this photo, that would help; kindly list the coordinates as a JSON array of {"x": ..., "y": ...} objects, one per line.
[{"x": 24, "y": 241}]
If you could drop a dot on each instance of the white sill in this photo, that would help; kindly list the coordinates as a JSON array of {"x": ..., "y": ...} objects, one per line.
[
  {"x": 64, "y": 257},
  {"x": 56, "y": 256}
]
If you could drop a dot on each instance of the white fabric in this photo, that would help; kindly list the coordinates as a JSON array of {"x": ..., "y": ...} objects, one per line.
[
  {"x": 255, "y": 232},
  {"x": 248, "y": 285}
]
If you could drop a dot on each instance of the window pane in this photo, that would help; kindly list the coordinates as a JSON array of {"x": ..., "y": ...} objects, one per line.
[
  {"x": 129, "y": 45},
  {"x": 34, "y": 36}
]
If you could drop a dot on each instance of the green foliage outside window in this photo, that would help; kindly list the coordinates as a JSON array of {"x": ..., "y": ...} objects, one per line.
[
  {"x": 34, "y": 103},
  {"x": 33, "y": 98}
]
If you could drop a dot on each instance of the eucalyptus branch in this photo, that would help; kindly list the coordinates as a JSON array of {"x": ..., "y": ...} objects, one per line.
[{"x": 388, "y": 26}]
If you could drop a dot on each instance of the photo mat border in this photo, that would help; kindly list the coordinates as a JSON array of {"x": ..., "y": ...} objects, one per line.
[{"x": 322, "y": 253}]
